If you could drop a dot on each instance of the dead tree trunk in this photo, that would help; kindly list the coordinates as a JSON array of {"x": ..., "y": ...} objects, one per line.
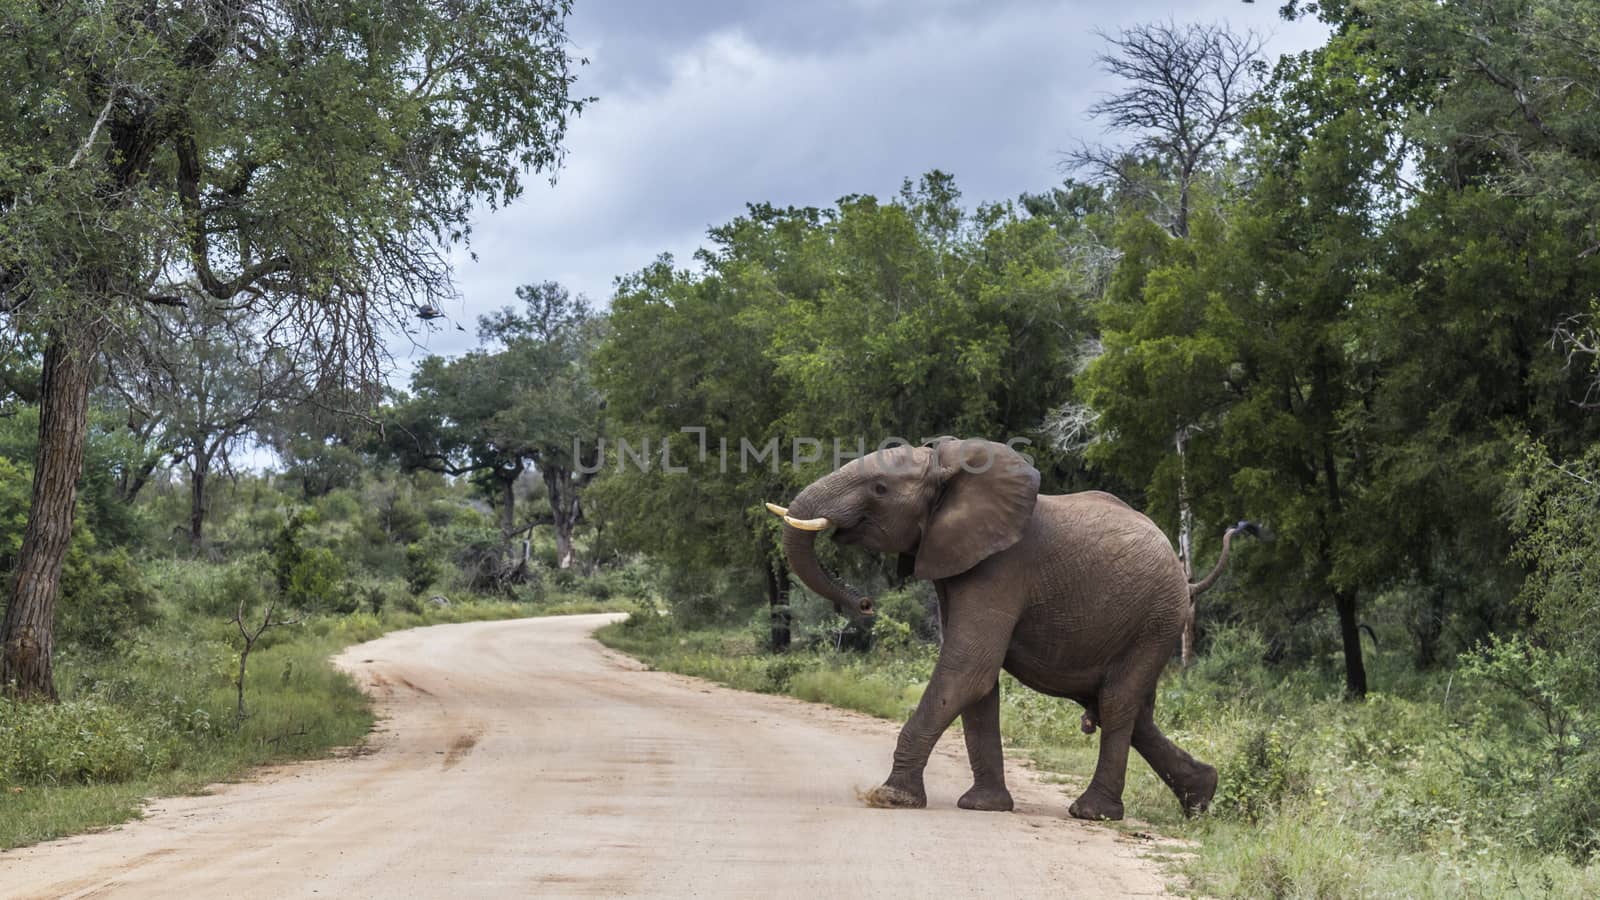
[
  {"x": 1185, "y": 540},
  {"x": 27, "y": 634}
]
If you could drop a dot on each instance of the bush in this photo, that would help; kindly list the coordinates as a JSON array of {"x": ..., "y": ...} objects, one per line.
[
  {"x": 1262, "y": 775},
  {"x": 905, "y": 617},
  {"x": 422, "y": 568},
  {"x": 1566, "y": 816},
  {"x": 307, "y": 577},
  {"x": 79, "y": 742},
  {"x": 782, "y": 669},
  {"x": 104, "y": 597},
  {"x": 1557, "y": 688},
  {"x": 698, "y": 599}
]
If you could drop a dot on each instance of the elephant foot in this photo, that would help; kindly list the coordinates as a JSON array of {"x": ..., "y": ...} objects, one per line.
[
  {"x": 1196, "y": 798},
  {"x": 886, "y": 796},
  {"x": 988, "y": 799},
  {"x": 1094, "y": 807}
]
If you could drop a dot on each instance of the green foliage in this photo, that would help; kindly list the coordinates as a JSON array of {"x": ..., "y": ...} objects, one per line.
[
  {"x": 807, "y": 324},
  {"x": 905, "y": 618},
  {"x": 80, "y": 742},
  {"x": 305, "y": 576},
  {"x": 525, "y": 396},
  {"x": 1556, "y": 514},
  {"x": 1261, "y": 776},
  {"x": 407, "y": 157},
  {"x": 1566, "y": 815},
  {"x": 105, "y": 596},
  {"x": 1559, "y": 690},
  {"x": 422, "y": 568},
  {"x": 14, "y": 498}
]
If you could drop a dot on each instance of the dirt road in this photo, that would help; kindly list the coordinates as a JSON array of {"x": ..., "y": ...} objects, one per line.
[{"x": 521, "y": 759}]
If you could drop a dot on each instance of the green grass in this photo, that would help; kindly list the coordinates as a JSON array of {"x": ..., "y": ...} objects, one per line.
[
  {"x": 157, "y": 718},
  {"x": 1405, "y": 795}
]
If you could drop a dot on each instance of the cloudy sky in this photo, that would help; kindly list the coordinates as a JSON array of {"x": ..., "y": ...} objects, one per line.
[{"x": 707, "y": 105}]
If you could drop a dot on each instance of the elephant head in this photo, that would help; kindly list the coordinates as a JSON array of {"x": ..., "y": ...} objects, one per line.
[{"x": 950, "y": 506}]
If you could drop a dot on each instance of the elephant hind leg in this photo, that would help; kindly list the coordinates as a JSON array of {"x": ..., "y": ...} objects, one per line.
[
  {"x": 1123, "y": 701},
  {"x": 1193, "y": 782},
  {"x": 1103, "y": 798},
  {"x": 980, "y": 725}
]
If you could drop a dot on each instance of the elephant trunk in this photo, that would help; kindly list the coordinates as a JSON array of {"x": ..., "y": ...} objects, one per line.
[{"x": 800, "y": 547}]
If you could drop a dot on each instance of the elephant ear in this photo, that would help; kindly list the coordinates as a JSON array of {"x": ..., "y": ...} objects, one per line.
[{"x": 986, "y": 499}]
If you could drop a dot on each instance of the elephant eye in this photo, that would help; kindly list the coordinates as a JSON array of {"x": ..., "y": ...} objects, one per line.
[{"x": 880, "y": 488}]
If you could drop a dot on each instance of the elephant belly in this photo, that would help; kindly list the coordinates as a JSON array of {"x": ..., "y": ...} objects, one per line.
[{"x": 1055, "y": 671}]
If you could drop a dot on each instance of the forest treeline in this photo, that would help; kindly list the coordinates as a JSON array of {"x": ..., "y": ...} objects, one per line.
[
  {"x": 1357, "y": 308},
  {"x": 1350, "y": 293}
]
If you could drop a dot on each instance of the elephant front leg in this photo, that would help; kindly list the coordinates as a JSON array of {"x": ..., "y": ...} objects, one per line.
[
  {"x": 968, "y": 669},
  {"x": 980, "y": 725}
]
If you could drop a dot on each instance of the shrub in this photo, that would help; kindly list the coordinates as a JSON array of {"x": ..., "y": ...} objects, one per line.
[
  {"x": 104, "y": 597},
  {"x": 422, "y": 568},
  {"x": 782, "y": 669},
  {"x": 1261, "y": 775},
  {"x": 79, "y": 742},
  {"x": 1556, "y": 689},
  {"x": 306, "y": 576},
  {"x": 906, "y": 616},
  {"x": 1566, "y": 816}
]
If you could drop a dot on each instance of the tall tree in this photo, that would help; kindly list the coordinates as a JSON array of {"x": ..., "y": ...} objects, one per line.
[
  {"x": 552, "y": 407},
  {"x": 1184, "y": 90},
  {"x": 689, "y": 351},
  {"x": 1246, "y": 327},
  {"x": 195, "y": 383},
  {"x": 1493, "y": 260},
  {"x": 523, "y": 397},
  {"x": 310, "y": 161},
  {"x": 911, "y": 318}
]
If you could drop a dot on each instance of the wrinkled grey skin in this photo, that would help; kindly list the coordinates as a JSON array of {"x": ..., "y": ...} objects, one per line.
[{"x": 1077, "y": 596}]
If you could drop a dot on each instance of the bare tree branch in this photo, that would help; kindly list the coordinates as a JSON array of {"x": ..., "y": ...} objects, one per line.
[{"x": 1186, "y": 88}]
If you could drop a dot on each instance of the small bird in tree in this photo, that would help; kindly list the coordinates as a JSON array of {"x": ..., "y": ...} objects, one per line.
[{"x": 426, "y": 312}]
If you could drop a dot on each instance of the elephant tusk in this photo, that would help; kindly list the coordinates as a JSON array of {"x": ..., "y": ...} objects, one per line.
[
  {"x": 806, "y": 524},
  {"x": 777, "y": 510}
]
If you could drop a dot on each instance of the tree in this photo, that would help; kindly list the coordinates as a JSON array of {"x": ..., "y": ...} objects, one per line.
[
  {"x": 523, "y": 397},
  {"x": 1492, "y": 258},
  {"x": 1515, "y": 80},
  {"x": 1186, "y": 88},
  {"x": 322, "y": 443},
  {"x": 1245, "y": 327},
  {"x": 195, "y": 382},
  {"x": 688, "y": 351},
  {"x": 552, "y": 406},
  {"x": 1185, "y": 91},
  {"x": 312, "y": 162}
]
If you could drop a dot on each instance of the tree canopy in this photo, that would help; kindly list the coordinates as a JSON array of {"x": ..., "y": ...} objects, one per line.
[{"x": 310, "y": 162}]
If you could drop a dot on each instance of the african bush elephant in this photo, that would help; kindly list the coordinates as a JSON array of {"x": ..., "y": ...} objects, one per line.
[{"x": 1077, "y": 596}]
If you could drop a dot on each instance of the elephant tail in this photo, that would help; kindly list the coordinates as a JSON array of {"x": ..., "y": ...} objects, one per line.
[{"x": 1243, "y": 526}]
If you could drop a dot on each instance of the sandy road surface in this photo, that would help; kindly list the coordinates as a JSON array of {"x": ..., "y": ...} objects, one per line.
[{"x": 521, "y": 759}]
